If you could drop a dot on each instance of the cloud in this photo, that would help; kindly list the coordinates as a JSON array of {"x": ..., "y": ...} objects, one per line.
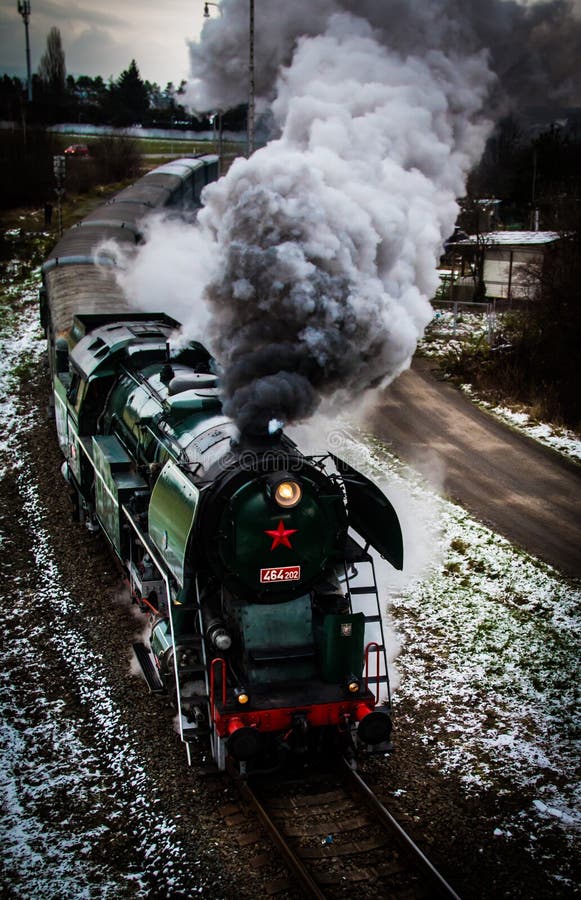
[
  {"x": 78, "y": 14},
  {"x": 102, "y": 39},
  {"x": 533, "y": 47},
  {"x": 86, "y": 54}
]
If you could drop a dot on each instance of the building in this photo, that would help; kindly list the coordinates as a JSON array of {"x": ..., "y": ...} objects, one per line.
[{"x": 505, "y": 258}]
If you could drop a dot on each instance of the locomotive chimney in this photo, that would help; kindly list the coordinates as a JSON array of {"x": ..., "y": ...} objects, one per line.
[
  {"x": 167, "y": 373},
  {"x": 258, "y": 435}
]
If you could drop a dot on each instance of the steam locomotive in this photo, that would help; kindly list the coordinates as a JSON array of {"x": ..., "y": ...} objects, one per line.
[{"x": 251, "y": 559}]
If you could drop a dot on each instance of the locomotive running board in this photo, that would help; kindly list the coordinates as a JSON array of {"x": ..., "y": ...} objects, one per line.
[
  {"x": 139, "y": 654},
  {"x": 152, "y": 679}
]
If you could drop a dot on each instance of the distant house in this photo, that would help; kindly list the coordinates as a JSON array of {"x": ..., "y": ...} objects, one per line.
[{"x": 504, "y": 257}]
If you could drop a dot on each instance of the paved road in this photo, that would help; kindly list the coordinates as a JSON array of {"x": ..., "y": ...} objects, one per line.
[{"x": 522, "y": 490}]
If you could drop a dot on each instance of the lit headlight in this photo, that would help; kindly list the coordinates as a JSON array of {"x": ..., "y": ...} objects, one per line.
[
  {"x": 242, "y": 696},
  {"x": 287, "y": 494}
]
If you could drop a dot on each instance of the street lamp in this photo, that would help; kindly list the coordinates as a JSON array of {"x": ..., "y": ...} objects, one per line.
[
  {"x": 251, "y": 80},
  {"x": 216, "y": 117},
  {"x": 218, "y": 113},
  {"x": 24, "y": 10},
  {"x": 251, "y": 83}
]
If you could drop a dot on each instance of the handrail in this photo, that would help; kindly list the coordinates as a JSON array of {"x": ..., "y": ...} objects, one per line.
[
  {"x": 222, "y": 663},
  {"x": 378, "y": 666}
]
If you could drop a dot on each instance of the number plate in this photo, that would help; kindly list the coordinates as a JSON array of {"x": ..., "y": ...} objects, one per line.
[{"x": 281, "y": 573}]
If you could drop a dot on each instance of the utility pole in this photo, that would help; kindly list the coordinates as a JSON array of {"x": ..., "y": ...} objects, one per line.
[
  {"x": 218, "y": 114},
  {"x": 220, "y": 146},
  {"x": 24, "y": 10},
  {"x": 59, "y": 168},
  {"x": 251, "y": 85},
  {"x": 534, "y": 192}
]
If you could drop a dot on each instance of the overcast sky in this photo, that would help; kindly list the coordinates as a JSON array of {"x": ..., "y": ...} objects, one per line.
[{"x": 101, "y": 37}]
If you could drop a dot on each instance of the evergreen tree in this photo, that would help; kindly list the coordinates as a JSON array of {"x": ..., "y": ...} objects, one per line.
[
  {"x": 129, "y": 96},
  {"x": 52, "y": 68}
]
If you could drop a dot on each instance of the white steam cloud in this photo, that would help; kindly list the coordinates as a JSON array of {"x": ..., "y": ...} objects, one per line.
[
  {"x": 312, "y": 263},
  {"x": 169, "y": 271},
  {"x": 329, "y": 236},
  {"x": 533, "y": 44}
]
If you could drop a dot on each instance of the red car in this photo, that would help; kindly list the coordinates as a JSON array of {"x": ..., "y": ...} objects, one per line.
[{"x": 77, "y": 150}]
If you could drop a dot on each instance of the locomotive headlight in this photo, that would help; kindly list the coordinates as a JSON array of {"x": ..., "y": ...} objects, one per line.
[
  {"x": 353, "y": 686},
  {"x": 242, "y": 696},
  {"x": 288, "y": 493},
  {"x": 218, "y": 635}
]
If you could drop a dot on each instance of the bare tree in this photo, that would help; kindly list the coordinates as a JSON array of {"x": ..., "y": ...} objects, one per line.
[
  {"x": 52, "y": 68},
  {"x": 478, "y": 218}
]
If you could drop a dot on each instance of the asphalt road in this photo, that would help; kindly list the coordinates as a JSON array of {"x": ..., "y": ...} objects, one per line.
[{"x": 522, "y": 490}]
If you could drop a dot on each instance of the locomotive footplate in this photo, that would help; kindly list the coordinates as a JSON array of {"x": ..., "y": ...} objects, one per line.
[
  {"x": 278, "y": 712},
  {"x": 313, "y": 693}
]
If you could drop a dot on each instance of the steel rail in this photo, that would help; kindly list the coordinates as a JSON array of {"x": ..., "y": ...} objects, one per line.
[
  {"x": 406, "y": 843},
  {"x": 294, "y": 863},
  {"x": 296, "y": 866}
]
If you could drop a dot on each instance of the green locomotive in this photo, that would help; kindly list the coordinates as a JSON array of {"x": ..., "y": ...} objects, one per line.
[{"x": 251, "y": 559}]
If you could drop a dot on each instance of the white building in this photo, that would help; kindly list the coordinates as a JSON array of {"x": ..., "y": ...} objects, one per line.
[{"x": 507, "y": 257}]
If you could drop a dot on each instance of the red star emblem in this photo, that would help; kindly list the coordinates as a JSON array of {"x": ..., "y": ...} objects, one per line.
[{"x": 281, "y": 535}]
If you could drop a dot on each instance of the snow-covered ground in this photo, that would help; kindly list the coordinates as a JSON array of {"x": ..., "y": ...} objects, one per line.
[
  {"x": 47, "y": 765},
  {"x": 21, "y": 343},
  {"x": 490, "y": 637},
  {"x": 561, "y": 439},
  {"x": 446, "y": 333}
]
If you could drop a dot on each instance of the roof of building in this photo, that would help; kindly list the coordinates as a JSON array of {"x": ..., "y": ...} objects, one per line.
[{"x": 511, "y": 238}]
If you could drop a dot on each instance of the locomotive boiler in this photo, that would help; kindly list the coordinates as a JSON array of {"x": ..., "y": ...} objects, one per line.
[{"x": 252, "y": 560}]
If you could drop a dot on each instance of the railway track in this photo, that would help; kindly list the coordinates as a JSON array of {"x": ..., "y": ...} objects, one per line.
[{"x": 338, "y": 840}]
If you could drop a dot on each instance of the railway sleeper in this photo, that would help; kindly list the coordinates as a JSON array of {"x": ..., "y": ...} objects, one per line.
[
  {"x": 317, "y": 828},
  {"x": 335, "y": 851}
]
